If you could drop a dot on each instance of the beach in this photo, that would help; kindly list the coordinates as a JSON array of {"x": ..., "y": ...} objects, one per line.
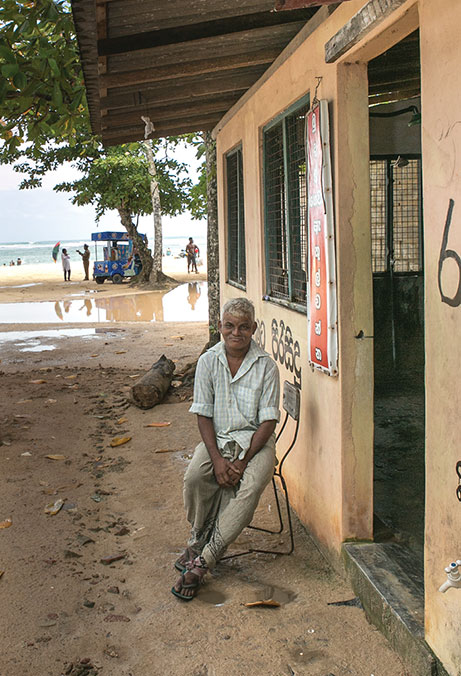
[
  {"x": 45, "y": 281},
  {"x": 92, "y": 519}
]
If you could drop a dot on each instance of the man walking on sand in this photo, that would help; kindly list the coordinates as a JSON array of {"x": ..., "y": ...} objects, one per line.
[
  {"x": 236, "y": 399},
  {"x": 86, "y": 261}
]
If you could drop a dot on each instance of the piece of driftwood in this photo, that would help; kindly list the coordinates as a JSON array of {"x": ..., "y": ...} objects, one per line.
[{"x": 149, "y": 390}]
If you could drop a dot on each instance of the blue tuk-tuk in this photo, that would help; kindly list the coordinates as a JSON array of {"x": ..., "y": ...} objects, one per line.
[{"x": 119, "y": 260}]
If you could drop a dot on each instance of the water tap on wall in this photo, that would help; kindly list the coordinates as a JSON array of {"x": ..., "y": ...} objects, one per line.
[{"x": 453, "y": 575}]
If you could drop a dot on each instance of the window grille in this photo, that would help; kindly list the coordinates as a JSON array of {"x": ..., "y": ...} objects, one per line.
[
  {"x": 235, "y": 218},
  {"x": 285, "y": 197},
  {"x": 396, "y": 214}
]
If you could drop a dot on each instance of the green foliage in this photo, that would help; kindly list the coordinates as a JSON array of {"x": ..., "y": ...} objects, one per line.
[
  {"x": 119, "y": 177},
  {"x": 197, "y": 205},
  {"x": 42, "y": 94}
]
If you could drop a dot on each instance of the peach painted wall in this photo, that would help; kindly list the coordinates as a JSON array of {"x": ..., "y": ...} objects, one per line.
[
  {"x": 441, "y": 142},
  {"x": 330, "y": 468}
]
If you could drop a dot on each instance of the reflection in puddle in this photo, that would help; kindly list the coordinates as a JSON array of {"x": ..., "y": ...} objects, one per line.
[
  {"x": 185, "y": 303},
  {"x": 37, "y": 348},
  {"x": 21, "y": 286},
  {"x": 7, "y": 336}
]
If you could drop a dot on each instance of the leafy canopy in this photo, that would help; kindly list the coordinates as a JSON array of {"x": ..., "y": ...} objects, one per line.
[{"x": 42, "y": 93}]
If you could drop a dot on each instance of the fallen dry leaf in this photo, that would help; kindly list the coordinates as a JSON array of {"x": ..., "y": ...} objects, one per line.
[
  {"x": 120, "y": 352},
  {"x": 119, "y": 441},
  {"x": 6, "y": 524},
  {"x": 70, "y": 377},
  {"x": 37, "y": 382},
  {"x": 120, "y": 421},
  {"x": 158, "y": 424},
  {"x": 177, "y": 337},
  {"x": 54, "y": 507},
  {"x": 2, "y": 572},
  {"x": 94, "y": 355},
  {"x": 24, "y": 401},
  {"x": 135, "y": 375},
  {"x": 52, "y": 456}
]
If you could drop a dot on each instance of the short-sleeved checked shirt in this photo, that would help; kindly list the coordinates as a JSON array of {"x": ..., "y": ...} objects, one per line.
[{"x": 239, "y": 404}]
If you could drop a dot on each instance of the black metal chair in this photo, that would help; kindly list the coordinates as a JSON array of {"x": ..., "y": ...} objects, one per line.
[{"x": 291, "y": 402}]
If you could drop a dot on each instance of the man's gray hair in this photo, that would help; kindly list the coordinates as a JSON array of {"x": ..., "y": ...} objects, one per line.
[{"x": 239, "y": 307}]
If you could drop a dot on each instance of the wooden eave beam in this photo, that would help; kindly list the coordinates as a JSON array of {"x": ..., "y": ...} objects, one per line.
[
  {"x": 399, "y": 95},
  {"x": 137, "y": 134},
  {"x": 197, "y": 31},
  {"x": 217, "y": 105},
  {"x": 394, "y": 85},
  {"x": 189, "y": 68},
  {"x": 181, "y": 91},
  {"x": 364, "y": 21},
  {"x": 287, "y": 5}
]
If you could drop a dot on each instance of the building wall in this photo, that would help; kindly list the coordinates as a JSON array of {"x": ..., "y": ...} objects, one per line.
[
  {"x": 441, "y": 142},
  {"x": 329, "y": 470}
]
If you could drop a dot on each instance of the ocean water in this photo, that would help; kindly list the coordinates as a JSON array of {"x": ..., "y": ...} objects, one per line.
[{"x": 33, "y": 253}]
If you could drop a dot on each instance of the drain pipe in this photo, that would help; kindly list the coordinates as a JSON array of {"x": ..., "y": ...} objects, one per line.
[{"x": 453, "y": 575}]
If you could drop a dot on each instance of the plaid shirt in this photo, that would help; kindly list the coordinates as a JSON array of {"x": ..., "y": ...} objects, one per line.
[{"x": 239, "y": 404}]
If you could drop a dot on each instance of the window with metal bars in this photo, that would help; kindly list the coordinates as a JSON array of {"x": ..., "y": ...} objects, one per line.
[
  {"x": 285, "y": 205},
  {"x": 236, "y": 263},
  {"x": 396, "y": 214}
]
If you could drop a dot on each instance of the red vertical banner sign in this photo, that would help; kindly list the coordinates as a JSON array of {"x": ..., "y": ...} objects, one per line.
[{"x": 322, "y": 307}]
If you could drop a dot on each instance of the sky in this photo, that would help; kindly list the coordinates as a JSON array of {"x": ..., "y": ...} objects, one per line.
[{"x": 42, "y": 214}]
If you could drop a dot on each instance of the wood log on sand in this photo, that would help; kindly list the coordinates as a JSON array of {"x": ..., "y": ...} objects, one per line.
[{"x": 149, "y": 390}]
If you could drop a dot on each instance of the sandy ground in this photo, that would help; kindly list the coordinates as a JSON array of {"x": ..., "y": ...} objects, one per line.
[{"x": 66, "y": 607}]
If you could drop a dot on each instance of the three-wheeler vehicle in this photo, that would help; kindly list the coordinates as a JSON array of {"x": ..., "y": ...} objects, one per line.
[{"x": 120, "y": 259}]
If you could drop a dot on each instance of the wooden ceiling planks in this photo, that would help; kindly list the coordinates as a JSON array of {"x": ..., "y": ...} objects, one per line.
[
  {"x": 145, "y": 15},
  {"x": 185, "y": 64},
  {"x": 244, "y": 42},
  {"x": 179, "y": 34},
  {"x": 181, "y": 63}
]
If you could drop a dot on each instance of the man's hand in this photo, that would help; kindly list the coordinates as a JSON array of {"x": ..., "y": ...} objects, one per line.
[
  {"x": 221, "y": 468},
  {"x": 236, "y": 470}
]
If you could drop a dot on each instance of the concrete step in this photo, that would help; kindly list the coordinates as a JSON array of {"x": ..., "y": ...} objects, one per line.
[{"x": 389, "y": 581}]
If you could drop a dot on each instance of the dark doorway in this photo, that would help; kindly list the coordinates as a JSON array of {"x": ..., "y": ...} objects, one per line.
[{"x": 398, "y": 301}]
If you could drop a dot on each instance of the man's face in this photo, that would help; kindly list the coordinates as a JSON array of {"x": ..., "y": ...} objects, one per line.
[{"x": 236, "y": 332}]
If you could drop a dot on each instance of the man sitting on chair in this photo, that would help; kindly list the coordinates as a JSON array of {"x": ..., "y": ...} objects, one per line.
[{"x": 236, "y": 399}]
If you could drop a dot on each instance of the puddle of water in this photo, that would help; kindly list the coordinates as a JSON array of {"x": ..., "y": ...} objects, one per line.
[
  {"x": 21, "y": 286},
  {"x": 214, "y": 598},
  {"x": 7, "y": 336},
  {"x": 280, "y": 596},
  {"x": 185, "y": 303},
  {"x": 38, "y": 348}
]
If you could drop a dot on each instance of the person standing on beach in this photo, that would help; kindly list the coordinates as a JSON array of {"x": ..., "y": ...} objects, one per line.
[
  {"x": 66, "y": 265},
  {"x": 192, "y": 251},
  {"x": 86, "y": 260}
]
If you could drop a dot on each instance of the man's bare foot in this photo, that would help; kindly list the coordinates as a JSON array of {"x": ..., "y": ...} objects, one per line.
[{"x": 188, "y": 583}]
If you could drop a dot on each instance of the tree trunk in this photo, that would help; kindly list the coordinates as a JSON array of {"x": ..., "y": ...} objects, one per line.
[
  {"x": 139, "y": 243},
  {"x": 212, "y": 240},
  {"x": 157, "y": 272},
  {"x": 149, "y": 390}
]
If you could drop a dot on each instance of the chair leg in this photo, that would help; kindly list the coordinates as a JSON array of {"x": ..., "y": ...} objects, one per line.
[
  {"x": 279, "y": 512},
  {"x": 265, "y": 530}
]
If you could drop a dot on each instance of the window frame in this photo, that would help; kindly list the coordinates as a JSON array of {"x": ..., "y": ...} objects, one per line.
[
  {"x": 302, "y": 102},
  {"x": 241, "y": 236}
]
